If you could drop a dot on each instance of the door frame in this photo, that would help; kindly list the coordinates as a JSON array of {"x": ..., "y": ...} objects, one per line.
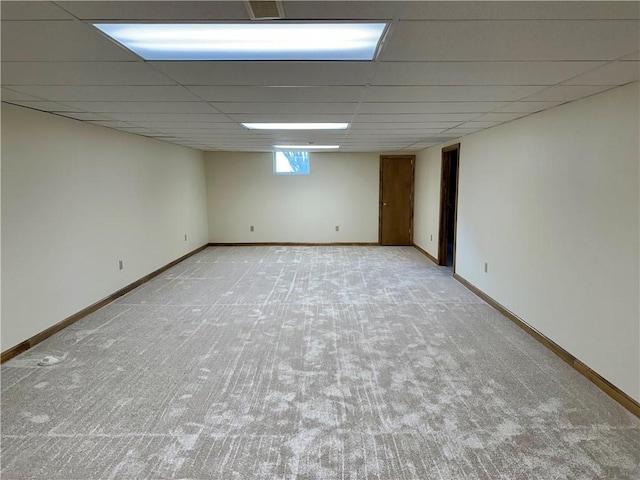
[
  {"x": 444, "y": 193},
  {"x": 412, "y": 196}
]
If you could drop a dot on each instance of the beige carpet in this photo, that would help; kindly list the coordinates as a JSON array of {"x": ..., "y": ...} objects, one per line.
[{"x": 306, "y": 363}]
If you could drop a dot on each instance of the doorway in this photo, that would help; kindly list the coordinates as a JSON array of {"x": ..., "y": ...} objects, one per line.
[
  {"x": 449, "y": 206},
  {"x": 396, "y": 199}
]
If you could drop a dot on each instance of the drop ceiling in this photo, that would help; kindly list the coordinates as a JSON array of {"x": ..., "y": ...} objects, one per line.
[{"x": 446, "y": 69}]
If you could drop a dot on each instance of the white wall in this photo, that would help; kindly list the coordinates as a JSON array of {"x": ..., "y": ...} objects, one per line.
[
  {"x": 426, "y": 209},
  {"x": 551, "y": 202},
  {"x": 76, "y": 198},
  {"x": 342, "y": 189}
]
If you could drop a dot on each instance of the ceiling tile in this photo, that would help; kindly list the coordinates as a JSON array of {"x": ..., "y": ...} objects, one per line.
[
  {"x": 83, "y": 116},
  {"x": 400, "y": 126},
  {"x": 478, "y": 73},
  {"x": 45, "y": 106},
  {"x": 499, "y": 117},
  {"x": 550, "y": 10},
  {"x": 169, "y": 117},
  {"x": 157, "y": 10},
  {"x": 565, "y": 93},
  {"x": 109, "y": 123},
  {"x": 286, "y": 107},
  {"x": 299, "y": 117},
  {"x": 32, "y": 11},
  {"x": 614, "y": 73},
  {"x": 634, "y": 56},
  {"x": 108, "y": 93},
  {"x": 430, "y": 107},
  {"x": 186, "y": 126},
  {"x": 58, "y": 41},
  {"x": 416, "y": 117},
  {"x": 275, "y": 94},
  {"x": 511, "y": 40},
  {"x": 477, "y": 125},
  {"x": 268, "y": 73},
  {"x": 527, "y": 107},
  {"x": 144, "y": 107},
  {"x": 81, "y": 73},
  {"x": 443, "y": 94},
  {"x": 10, "y": 95}
]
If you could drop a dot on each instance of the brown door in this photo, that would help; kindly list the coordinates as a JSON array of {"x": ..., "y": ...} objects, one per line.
[{"x": 396, "y": 199}]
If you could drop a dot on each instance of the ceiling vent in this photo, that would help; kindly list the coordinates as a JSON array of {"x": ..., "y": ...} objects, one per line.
[{"x": 265, "y": 9}]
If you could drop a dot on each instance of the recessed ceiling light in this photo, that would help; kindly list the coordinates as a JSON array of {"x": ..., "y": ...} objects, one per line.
[
  {"x": 296, "y": 126},
  {"x": 248, "y": 41},
  {"x": 307, "y": 147}
]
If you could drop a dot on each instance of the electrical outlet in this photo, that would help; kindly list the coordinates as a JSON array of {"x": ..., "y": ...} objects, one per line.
[
  {"x": 431, "y": 238},
  {"x": 185, "y": 237},
  {"x": 120, "y": 264},
  {"x": 337, "y": 228},
  {"x": 251, "y": 228},
  {"x": 486, "y": 267}
]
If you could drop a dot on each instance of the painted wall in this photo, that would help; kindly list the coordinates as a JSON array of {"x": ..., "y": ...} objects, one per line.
[
  {"x": 342, "y": 189},
  {"x": 76, "y": 199},
  {"x": 552, "y": 203},
  {"x": 426, "y": 209}
]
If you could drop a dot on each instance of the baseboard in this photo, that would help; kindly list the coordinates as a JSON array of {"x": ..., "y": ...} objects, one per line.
[
  {"x": 426, "y": 254},
  {"x": 39, "y": 337},
  {"x": 607, "y": 387},
  {"x": 295, "y": 244}
]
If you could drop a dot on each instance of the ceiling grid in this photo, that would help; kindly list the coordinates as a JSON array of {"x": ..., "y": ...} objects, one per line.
[{"x": 446, "y": 69}]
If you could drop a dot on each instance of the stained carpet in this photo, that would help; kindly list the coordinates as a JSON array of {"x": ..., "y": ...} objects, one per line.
[{"x": 306, "y": 363}]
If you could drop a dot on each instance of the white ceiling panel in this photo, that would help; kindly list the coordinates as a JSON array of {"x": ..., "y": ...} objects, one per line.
[
  {"x": 566, "y": 93},
  {"x": 511, "y": 40},
  {"x": 276, "y": 94},
  {"x": 459, "y": 10},
  {"x": 430, "y": 107},
  {"x": 81, "y": 73},
  {"x": 416, "y": 117},
  {"x": 476, "y": 125},
  {"x": 58, "y": 41},
  {"x": 614, "y": 73},
  {"x": 301, "y": 117},
  {"x": 527, "y": 107},
  {"x": 144, "y": 107},
  {"x": 84, "y": 116},
  {"x": 444, "y": 94},
  {"x": 32, "y": 11},
  {"x": 499, "y": 117},
  {"x": 286, "y": 107},
  {"x": 268, "y": 73},
  {"x": 463, "y": 131},
  {"x": 634, "y": 56},
  {"x": 108, "y": 93},
  {"x": 188, "y": 126},
  {"x": 109, "y": 123},
  {"x": 169, "y": 117},
  {"x": 9, "y": 95},
  {"x": 46, "y": 106},
  {"x": 400, "y": 126},
  {"x": 520, "y": 10},
  {"x": 162, "y": 10},
  {"x": 478, "y": 73}
]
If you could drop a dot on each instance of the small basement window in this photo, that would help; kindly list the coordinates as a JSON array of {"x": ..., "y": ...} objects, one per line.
[{"x": 291, "y": 163}]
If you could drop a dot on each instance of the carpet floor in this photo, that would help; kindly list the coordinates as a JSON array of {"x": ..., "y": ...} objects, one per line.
[{"x": 306, "y": 363}]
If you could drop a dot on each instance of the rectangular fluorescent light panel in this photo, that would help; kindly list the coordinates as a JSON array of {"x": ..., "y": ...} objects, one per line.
[
  {"x": 248, "y": 41},
  {"x": 296, "y": 126},
  {"x": 308, "y": 147}
]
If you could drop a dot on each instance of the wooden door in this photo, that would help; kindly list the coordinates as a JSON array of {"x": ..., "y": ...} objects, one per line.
[{"x": 396, "y": 199}]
